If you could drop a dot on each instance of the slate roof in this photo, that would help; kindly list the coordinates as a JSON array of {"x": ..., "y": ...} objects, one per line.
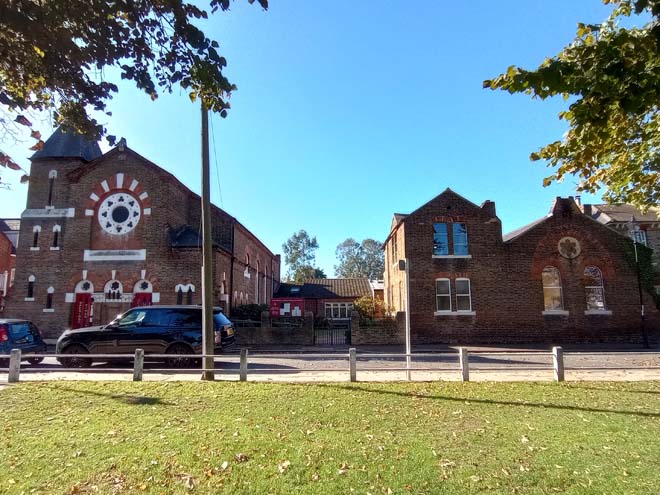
[
  {"x": 327, "y": 288},
  {"x": 520, "y": 231},
  {"x": 63, "y": 144},
  {"x": 623, "y": 213},
  {"x": 10, "y": 227}
]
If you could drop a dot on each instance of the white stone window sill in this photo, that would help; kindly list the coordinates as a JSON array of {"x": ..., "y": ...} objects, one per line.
[
  {"x": 33, "y": 248},
  {"x": 29, "y": 299},
  {"x": 48, "y": 310},
  {"x": 455, "y": 313},
  {"x": 452, "y": 256},
  {"x": 55, "y": 248},
  {"x": 49, "y": 207},
  {"x": 603, "y": 312},
  {"x": 555, "y": 312}
]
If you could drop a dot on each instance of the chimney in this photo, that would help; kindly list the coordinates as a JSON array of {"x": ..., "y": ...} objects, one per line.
[
  {"x": 587, "y": 210},
  {"x": 489, "y": 207}
]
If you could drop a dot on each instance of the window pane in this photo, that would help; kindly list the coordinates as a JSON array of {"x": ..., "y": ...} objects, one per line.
[
  {"x": 328, "y": 310},
  {"x": 550, "y": 277},
  {"x": 595, "y": 298},
  {"x": 593, "y": 277},
  {"x": 460, "y": 239},
  {"x": 440, "y": 239},
  {"x": 462, "y": 287},
  {"x": 463, "y": 303},
  {"x": 552, "y": 298},
  {"x": 442, "y": 287},
  {"x": 443, "y": 303}
]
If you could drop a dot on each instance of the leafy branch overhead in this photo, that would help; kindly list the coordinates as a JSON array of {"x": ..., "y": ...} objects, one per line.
[
  {"x": 53, "y": 55},
  {"x": 611, "y": 75}
]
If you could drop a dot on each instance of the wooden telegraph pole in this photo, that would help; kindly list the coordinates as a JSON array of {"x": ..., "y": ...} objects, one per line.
[{"x": 207, "y": 256}]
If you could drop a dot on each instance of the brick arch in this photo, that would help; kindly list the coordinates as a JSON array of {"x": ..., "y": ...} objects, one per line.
[{"x": 118, "y": 182}]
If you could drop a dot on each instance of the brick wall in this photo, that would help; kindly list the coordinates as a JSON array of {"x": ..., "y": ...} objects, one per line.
[
  {"x": 378, "y": 335},
  {"x": 273, "y": 335}
]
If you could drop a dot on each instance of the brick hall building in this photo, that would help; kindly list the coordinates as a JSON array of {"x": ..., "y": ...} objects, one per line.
[
  {"x": 563, "y": 278},
  {"x": 104, "y": 232}
]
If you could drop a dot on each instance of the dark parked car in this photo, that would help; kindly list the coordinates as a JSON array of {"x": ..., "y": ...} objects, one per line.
[
  {"x": 23, "y": 335},
  {"x": 175, "y": 330}
]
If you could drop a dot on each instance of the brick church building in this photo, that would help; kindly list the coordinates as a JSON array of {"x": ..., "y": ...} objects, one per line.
[
  {"x": 104, "y": 232},
  {"x": 563, "y": 278}
]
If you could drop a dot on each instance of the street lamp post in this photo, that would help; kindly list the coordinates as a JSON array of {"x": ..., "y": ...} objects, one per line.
[
  {"x": 633, "y": 227},
  {"x": 404, "y": 265}
]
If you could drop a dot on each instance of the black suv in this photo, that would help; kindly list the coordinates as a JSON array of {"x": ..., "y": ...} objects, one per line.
[
  {"x": 173, "y": 330},
  {"x": 23, "y": 335}
]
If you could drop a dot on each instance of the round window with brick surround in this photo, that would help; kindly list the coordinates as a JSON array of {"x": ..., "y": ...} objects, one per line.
[
  {"x": 119, "y": 213},
  {"x": 569, "y": 247}
]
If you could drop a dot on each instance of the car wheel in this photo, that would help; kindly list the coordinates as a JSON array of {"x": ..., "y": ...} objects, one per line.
[
  {"x": 35, "y": 360},
  {"x": 75, "y": 361},
  {"x": 181, "y": 360}
]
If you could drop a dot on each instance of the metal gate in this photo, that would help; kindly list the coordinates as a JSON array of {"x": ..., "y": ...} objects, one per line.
[{"x": 337, "y": 333}]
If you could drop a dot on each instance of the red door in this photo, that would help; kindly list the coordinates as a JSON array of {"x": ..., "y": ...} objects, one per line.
[{"x": 82, "y": 311}]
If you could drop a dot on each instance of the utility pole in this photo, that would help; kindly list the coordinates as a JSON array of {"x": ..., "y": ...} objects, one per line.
[
  {"x": 641, "y": 298},
  {"x": 208, "y": 363}
]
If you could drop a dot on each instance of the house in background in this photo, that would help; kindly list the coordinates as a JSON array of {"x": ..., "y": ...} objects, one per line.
[
  {"x": 9, "y": 229},
  {"x": 562, "y": 278},
  {"x": 332, "y": 298}
]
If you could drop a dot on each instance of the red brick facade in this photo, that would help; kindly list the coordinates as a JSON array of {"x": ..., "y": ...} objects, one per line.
[
  {"x": 83, "y": 242},
  {"x": 505, "y": 277}
]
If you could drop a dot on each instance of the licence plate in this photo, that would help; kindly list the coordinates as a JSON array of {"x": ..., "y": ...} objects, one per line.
[{"x": 230, "y": 331}]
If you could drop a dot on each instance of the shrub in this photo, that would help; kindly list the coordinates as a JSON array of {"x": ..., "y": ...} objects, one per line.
[{"x": 249, "y": 311}]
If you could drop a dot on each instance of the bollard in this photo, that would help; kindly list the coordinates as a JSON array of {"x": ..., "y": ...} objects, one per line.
[
  {"x": 465, "y": 365},
  {"x": 14, "y": 366},
  {"x": 244, "y": 365},
  {"x": 138, "y": 365},
  {"x": 558, "y": 363},
  {"x": 352, "y": 363}
]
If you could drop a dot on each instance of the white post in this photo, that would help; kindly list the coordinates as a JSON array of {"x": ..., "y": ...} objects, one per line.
[
  {"x": 14, "y": 366},
  {"x": 243, "y": 369},
  {"x": 406, "y": 267},
  {"x": 558, "y": 363},
  {"x": 465, "y": 364},
  {"x": 352, "y": 363},
  {"x": 138, "y": 365}
]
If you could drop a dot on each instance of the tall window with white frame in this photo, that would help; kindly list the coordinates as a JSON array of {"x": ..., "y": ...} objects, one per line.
[
  {"x": 52, "y": 175},
  {"x": 30, "y": 287},
  {"x": 440, "y": 239},
  {"x": 35, "y": 237},
  {"x": 57, "y": 229},
  {"x": 552, "y": 289},
  {"x": 594, "y": 289},
  {"x": 463, "y": 294},
  {"x": 460, "y": 239},
  {"x": 443, "y": 295},
  {"x": 49, "y": 297}
]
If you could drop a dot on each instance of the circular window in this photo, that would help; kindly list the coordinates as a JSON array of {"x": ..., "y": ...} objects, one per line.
[
  {"x": 569, "y": 247},
  {"x": 119, "y": 213}
]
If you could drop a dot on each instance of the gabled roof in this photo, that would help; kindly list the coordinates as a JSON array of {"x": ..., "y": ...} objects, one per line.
[
  {"x": 68, "y": 144},
  {"x": 624, "y": 213},
  {"x": 520, "y": 231},
  {"x": 327, "y": 288}
]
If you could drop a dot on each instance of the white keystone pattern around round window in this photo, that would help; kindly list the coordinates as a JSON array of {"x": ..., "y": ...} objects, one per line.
[{"x": 119, "y": 213}]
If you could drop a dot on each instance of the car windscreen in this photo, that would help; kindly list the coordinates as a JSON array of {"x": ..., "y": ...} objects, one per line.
[
  {"x": 21, "y": 332},
  {"x": 220, "y": 320}
]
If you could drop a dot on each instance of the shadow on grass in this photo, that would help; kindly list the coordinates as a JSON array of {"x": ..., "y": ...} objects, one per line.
[
  {"x": 131, "y": 399},
  {"x": 463, "y": 400}
]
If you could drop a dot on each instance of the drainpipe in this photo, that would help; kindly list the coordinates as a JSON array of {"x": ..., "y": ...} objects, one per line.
[{"x": 231, "y": 269}]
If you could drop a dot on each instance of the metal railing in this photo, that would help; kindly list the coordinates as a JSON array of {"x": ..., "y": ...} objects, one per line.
[{"x": 461, "y": 362}]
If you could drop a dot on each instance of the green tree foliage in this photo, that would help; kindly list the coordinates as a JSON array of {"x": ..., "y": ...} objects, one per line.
[
  {"x": 611, "y": 75},
  {"x": 54, "y": 54},
  {"x": 300, "y": 255},
  {"x": 365, "y": 259}
]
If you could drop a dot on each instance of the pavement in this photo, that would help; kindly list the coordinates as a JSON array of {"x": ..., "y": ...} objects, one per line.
[{"x": 377, "y": 364}]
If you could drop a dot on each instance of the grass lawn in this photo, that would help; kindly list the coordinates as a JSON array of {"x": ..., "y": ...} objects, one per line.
[{"x": 454, "y": 438}]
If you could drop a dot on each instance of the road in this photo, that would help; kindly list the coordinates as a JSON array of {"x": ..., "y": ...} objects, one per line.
[{"x": 484, "y": 365}]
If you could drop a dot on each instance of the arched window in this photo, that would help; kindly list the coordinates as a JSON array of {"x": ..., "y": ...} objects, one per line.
[
  {"x": 52, "y": 175},
  {"x": 84, "y": 287},
  {"x": 184, "y": 289},
  {"x": 552, "y": 292},
  {"x": 179, "y": 295},
  {"x": 113, "y": 290},
  {"x": 35, "y": 236},
  {"x": 56, "y": 237},
  {"x": 49, "y": 297},
  {"x": 30, "y": 288},
  {"x": 594, "y": 289}
]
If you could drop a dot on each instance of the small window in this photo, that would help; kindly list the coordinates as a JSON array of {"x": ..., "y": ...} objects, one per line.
[
  {"x": 639, "y": 236},
  {"x": 30, "y": 287},
  {"x": 56, "y": 236},
  {"x": 35, "y": 235},
  {"x": 440, "y": 239},
  {"x": 179, "y": 296},
  {"x": 594, "y": 288},
  {"x": 463, "y": 295},
  {"x": 49, "y": 298},
  {"x": 460, "y": 239},
  {"x": 442, "y": 294},
  {"x": 189, "y": 296}
]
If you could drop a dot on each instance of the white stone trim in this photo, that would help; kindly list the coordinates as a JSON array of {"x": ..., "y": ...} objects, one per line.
[
  {"x": 48, "y": 310},
  {"x": 32, "y": 278},
  {"x": 49, "y": 213},
  {"x": 555, "y": 312},
  {"x": 119, "y": 179},
  {"x": 54, "y": 248},
  {"x": 114, "y": 254},
  {"x": 105, "y": 186},
  {"x": 89, "y": 213},
  {"x": 69, "y": 297},
  {"x": 147, "y": 211},
  {"x": 452, "y": 256},
  {"x": 52, "y": 174},
  {"x": 184, "y": 287},
  {"x": 133, "y": 185},
  {"x": 93, "y": 197},
  {"x": 599, "y": 312},
  {"x": 57, "y": 228},
  {"x": 454, "y": 313},
  {"x": 155, "y": 297},
  {"x": 144, "y": 195},
  {"x": 36, "y": 228},
  {"x": 34, "y": 248},
  {"x": 30, "y": 299}
]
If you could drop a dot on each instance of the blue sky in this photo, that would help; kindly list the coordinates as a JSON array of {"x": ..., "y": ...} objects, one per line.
[{"x": 348, "y": 111}]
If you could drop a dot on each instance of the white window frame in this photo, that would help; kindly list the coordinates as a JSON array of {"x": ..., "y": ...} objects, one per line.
[
  {"x": 561, "y": 310},
  {"x": 451, "y": 305},
  {"x": 336, "y": 310},
  {"x": 469, "y": 294},
  {"x": 598, "y": 311},
  {"x": 454, "y": 243}
]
